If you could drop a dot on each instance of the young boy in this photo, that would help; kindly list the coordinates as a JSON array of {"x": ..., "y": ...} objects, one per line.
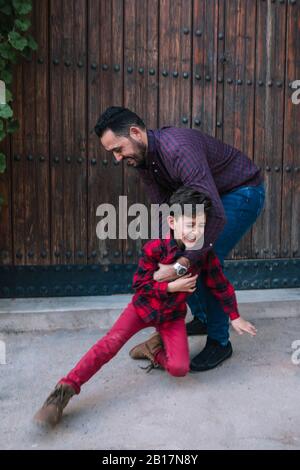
[{"x": 155, "y": 304}]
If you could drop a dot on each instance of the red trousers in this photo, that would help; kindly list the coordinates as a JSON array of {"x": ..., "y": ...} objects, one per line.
[{"x": 173, "y": 357}]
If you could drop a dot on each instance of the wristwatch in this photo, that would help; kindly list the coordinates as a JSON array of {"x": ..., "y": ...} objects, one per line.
[{"x": 180, "y": 269}]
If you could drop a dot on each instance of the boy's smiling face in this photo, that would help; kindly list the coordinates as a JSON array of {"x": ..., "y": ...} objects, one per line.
[{"x": 188, "y": 230}]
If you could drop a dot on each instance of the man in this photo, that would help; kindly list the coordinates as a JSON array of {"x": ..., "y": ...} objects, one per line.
[{"x": 171, "y": 157}]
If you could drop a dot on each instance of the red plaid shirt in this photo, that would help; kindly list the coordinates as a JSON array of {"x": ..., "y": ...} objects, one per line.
[{"x": 154, "y": 302}]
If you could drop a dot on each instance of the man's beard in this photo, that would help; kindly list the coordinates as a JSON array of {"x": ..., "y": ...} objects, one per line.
[{"x": 139, "y": 153}]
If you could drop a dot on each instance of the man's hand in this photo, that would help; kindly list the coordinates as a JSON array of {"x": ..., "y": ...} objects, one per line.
[
  {"x": 166, "y": 272},
  {"x": 186, "y": 283},
  {"x": 240, "y": 326}
]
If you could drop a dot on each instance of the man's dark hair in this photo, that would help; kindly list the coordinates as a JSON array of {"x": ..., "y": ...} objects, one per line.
[
  {"x": 118, "y": 120},
  {"x": 185, "y": 195}
]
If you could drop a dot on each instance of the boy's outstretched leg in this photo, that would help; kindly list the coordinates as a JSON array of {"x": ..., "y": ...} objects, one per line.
[
  {"x": 51, "y": 412},
  {"x": 105, "y": 349}
]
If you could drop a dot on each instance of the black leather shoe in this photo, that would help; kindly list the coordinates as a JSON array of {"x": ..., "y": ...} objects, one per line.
[
  {"x": 196, "y": 327},
  {"x": 211, "y": 356}
]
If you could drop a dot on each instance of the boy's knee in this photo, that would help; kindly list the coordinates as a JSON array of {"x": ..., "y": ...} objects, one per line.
[{"x": 178, "y": 370}]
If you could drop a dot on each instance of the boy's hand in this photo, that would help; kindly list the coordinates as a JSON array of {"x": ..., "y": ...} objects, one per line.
[
  {"x": 186, "y": 283},
  {"x": 240, "y": 325}
]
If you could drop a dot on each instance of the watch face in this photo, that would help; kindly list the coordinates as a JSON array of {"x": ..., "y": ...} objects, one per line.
[{"x": 182, "y": 270}]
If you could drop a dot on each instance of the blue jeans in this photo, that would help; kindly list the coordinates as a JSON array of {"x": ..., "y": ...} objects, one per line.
[{"x": 242, "y": 207}]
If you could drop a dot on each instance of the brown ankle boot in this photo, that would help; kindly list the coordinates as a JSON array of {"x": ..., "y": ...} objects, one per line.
[
  {"x": 51, "y": 412},
  {"x": 148, "y": 349}
]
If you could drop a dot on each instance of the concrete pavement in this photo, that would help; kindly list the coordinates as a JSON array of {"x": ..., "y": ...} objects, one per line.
[{"x": 250, "y": 402}]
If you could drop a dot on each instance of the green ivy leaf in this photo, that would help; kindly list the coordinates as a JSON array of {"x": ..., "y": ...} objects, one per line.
[
  {"x": 22, "y": 6},
  {"x": 6, "y": 76},
  {"x": 2, "y": 167},
  {"x": 17, "y": 41},
  {"x": 31, "y": 43},
  {"x": 12, "y": 126},
  {"x": 13, "y": 56},
  {"x": 6, "y": 9},
  {"x": 6, "y": 111},
  {"x": 5, "y": 50},
  {"x": 8, "y": 95},
  {"x": 2, "y": 64},
  {"x": 27, "y": 53},
  {"x": 23, "y": 25}
]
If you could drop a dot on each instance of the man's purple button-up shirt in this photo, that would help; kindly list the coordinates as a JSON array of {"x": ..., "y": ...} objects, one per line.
[{"x": 180, "y": 156}]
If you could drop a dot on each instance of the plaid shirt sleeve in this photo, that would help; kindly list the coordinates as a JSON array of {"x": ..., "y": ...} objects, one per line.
[
  {"x": 219, "y": 285},
  {"x": 192, "y": 172},
  {"x": 143, "y": 281}
]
